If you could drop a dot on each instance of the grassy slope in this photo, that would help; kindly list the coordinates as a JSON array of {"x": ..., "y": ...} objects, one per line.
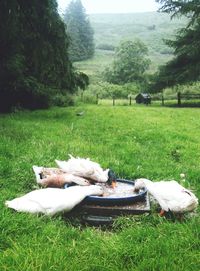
[
  {"x": 158, "y": 143},
  {"x": 113, "y": 28}
]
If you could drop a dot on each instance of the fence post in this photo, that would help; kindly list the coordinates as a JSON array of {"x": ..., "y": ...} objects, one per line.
[
  {"x": 163, "y": 101},
  {"x": 130, "y": 100},
  {"x": 113, "y": 100},
  {"x": 97, "y": 98},
  {"x": 82, "y": 96},
  {"x": 179, "y": 98}
]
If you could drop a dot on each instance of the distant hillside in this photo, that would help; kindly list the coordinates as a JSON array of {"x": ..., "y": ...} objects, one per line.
[
  {"x": 110, "y": 29},
  {"x": 150, "y": 27}
]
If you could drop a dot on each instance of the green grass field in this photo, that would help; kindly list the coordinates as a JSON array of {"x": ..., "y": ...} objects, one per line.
[{"x": 137, "y": 141}]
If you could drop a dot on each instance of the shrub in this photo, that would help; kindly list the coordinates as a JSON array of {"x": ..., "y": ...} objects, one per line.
[
  {"x": 105, "y": 46},
  {"x": 187, "y": 88},
  {"x": 106, "y": 90},
  {"x": 86, "y": 97},
  {"x": 62, "y": 100}
]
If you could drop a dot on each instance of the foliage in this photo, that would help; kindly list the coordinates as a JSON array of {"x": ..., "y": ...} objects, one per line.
[
  {"x": 62, "y": 100},
  {"x": 189, "y": 8},
  {"x": 110, "y": 29},
  {"x": 130, "y": 63},
  {"x": 134, "y": 141},
  {"x": 105, "y": 46},
  {"x": 184, "y": 67},
  {"x": 109, "y": 90},
  {"x": 183, "y": 88},
  {"x": 85, "y": 98},
  {"x": 80, "y": 32},
  {"x": 82, "y": 79},
  {"x": 33, "y": 53}
]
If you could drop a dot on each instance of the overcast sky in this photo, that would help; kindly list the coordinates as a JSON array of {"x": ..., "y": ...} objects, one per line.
[{"x": 113, "y": 6}]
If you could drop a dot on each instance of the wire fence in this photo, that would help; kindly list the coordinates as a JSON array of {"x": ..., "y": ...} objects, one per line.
[{"x": 177, "y": 100}]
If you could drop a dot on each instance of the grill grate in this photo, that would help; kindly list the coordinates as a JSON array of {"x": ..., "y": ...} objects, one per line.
[{"x": 98, "y": 215}]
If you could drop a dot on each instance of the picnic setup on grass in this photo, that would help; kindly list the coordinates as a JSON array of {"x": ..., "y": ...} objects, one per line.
[{"x": 81, "y": 186}]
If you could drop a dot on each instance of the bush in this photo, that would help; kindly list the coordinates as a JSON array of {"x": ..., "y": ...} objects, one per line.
[
  {"x": 62, "y": 100},
  {"x": 27, "y": 93},
  {"x": 24, "y": 93},
  {"x": 106, "y": 90},
  {"x": 86, "y": 97},
  {"x": 105, "y": 46},
  {"x": 186, "y": 89}
]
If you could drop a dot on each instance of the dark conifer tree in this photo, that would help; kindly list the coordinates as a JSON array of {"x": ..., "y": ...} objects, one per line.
[
  {"x": 80, "y": 31},
  {"x": 33, "y": 54},
  {"x": 185, "y": 66}
]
